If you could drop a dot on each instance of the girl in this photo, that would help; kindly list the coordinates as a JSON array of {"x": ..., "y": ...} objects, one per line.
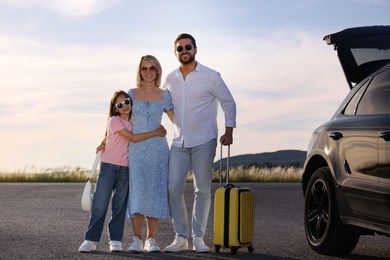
[{"x": 114, "y": 174}]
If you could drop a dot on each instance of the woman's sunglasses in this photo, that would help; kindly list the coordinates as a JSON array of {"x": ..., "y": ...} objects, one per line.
[
  {"x": 150, "y": 69},
  {"x": 180, "y": 48},
  {"x": 121, "y": 104}
]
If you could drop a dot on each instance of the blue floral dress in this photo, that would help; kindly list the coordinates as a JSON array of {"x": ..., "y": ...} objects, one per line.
[{"x": 148, "y": 160}]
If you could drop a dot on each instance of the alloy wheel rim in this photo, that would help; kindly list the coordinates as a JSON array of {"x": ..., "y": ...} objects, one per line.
[{"x": 317, "y": 213}]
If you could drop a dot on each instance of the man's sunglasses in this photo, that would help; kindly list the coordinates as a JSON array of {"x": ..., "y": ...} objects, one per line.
[
  {"x": 180, "y": 48},
  {"x": 121, "y": 104}
]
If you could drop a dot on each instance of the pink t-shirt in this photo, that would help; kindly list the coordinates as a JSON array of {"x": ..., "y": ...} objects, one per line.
[{"x": 116, "y": 151}]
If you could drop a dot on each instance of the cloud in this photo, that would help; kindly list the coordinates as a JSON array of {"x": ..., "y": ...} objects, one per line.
[
  {"x": 55, "y": 99},
  {"x": 376, "y": 2},
  {"x": 54, "y": 110},
  {"x": 285, "y": 83},
  {"x": 69, "y": 8}
]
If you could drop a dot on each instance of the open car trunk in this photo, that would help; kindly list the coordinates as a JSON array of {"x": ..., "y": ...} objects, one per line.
[{"x": 361, "y": 50}]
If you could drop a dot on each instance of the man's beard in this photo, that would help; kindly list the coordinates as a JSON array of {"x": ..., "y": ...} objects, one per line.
[{"x": 191, "y": 59}]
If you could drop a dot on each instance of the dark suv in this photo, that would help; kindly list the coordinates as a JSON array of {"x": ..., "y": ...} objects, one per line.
[{"x": 346, "y": 176}]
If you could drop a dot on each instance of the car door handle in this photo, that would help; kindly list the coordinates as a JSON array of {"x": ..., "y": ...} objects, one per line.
[
  {"x": 336, "y": 135},
  {"x": 385, "y": 135}
]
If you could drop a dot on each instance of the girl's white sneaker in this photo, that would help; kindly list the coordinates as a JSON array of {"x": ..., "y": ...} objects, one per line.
[{"x": 87, "y": 246}]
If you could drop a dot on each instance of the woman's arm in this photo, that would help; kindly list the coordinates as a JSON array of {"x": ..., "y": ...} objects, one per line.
[
  {"x": 161, "y": 131},
  {"x": 170, "y": 115}
]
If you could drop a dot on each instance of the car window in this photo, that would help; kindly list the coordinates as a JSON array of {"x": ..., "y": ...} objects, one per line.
[
  {"x": 350, "y": 109},
  {"x": 376, "y": 98},
  {"x": 366, "y": 55}
]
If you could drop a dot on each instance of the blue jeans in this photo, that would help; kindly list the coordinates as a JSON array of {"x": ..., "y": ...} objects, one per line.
[
  {"x": 200, "y": 159},
  {"x": 112, "y": 178}
]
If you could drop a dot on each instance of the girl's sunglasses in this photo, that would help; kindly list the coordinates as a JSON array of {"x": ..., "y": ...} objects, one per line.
[
  {"x": 121, "y": 104},
  {"x": 180, "y": 48}
]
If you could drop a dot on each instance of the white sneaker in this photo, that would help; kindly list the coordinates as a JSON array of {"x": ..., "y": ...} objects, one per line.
[
  {"x": 199, "y": 246},
  {"x": 115, "y": 246},
  {"x": 136, "y": 246},
  {"x": 179, "y": 244},
  {"x": 151, "y": 246},
  {"x": 87, "y": 246}
]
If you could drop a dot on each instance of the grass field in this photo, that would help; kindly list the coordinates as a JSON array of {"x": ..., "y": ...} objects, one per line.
[{"x": 67, "y": 174}]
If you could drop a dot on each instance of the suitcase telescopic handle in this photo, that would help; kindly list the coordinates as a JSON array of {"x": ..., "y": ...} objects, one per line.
[{"x": 227, "y": 167}]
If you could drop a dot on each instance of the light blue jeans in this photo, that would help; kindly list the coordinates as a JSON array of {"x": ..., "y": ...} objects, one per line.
[
  {"x": 111, "y": 178},
  {"x": 200, "y": 159}
]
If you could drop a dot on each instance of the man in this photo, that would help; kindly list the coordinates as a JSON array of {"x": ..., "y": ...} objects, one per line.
[{"x": 196, "y": 92}]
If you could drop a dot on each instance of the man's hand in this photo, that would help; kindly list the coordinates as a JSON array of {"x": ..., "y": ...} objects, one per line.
[{"x": 227, "y": 138}]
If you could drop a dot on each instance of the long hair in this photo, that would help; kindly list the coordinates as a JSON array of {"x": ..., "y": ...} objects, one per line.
[
  {"x": 156, "y": 64},
  {"x": 111, "y": 109}
]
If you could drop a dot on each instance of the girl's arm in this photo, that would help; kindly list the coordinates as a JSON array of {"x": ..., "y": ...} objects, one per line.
[
  {"x": 161, "y": 131},
  {"x": 102, "y": 145}
]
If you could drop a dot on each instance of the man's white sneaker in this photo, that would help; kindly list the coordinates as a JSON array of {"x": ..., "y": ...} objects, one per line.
[
  {"x": 87, "y": 246},
  {"x": 151, "y": 246},
  {"x": 136, "y": 246},
  {"x": 179, "y": 244},
  {"x": 199, "y": 246},
  {"x": 115, "y": 246}
]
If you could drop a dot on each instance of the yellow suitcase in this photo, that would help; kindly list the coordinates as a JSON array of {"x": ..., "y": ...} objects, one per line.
[{"x": 234, "y": 215}]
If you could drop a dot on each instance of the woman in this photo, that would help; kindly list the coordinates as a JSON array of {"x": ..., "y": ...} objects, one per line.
[{"x": 148, "y": 160}]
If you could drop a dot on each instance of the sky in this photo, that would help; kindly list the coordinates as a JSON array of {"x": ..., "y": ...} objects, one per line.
[{"x": 61, "y": 61}]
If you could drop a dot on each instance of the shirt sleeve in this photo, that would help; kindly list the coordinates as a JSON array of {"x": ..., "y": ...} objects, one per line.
[
  {"x": 115, "y": 124},
  {"x": 225, "y": 98}
]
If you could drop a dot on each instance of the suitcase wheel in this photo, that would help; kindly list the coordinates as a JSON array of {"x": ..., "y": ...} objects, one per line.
[
  {"x": 234, "y": 250},
  {"x": 250, "y": 249},
  {"x": 217, "y": 248}
]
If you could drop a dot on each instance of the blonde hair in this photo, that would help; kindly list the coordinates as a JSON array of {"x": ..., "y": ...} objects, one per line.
[{"x": 156, "y": 64}]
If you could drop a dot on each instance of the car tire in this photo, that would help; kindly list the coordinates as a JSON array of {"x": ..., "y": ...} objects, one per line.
[{"x": 324, "y": 230}]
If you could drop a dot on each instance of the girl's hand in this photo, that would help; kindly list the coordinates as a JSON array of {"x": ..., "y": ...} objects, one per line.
[
  {"x": 101, "y": 147},
  {"x": 161, "y": 131}
]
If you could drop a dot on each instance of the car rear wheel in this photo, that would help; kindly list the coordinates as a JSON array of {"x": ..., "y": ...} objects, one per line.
[{"x": 324, "y": 230}]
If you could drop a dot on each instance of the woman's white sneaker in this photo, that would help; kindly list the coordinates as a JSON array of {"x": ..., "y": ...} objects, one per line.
[
  {"x": 151, "y": 246},
  {"x": 136, "y": 246},
  {"x": 87, "y": 246}
]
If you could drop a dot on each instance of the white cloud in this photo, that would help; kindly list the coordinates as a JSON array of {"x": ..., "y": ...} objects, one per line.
[
  {"x": 376, "y": 2},
  {"x": 64, "y": 7},
  {"x": 285, "y": 85},
  {"x": 79, "y": 8},
  {"x": 55, "y": 105},
  {"x": 54, "y": 110}
]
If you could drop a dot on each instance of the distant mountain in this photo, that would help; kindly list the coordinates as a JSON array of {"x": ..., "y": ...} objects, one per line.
[{"x": 284, "y": 158}]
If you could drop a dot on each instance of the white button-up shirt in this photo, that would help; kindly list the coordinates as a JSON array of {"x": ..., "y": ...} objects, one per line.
[{"x": 195, "y": 105}]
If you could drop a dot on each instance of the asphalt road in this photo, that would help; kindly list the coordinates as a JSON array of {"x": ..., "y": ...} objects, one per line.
[{"x": 45, "y": 221}]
